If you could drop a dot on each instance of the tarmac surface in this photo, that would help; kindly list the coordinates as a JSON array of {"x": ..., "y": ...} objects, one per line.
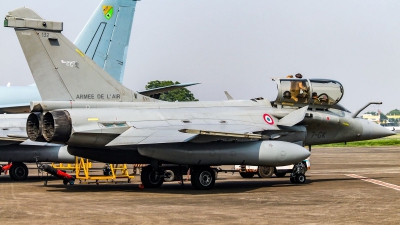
[{"x": 333, "y": 194}]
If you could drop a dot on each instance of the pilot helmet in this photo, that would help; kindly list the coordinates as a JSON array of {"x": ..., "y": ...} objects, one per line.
[
  {"x": 298, "y": 75},
  {"x": 287, "y": 94},
  {"x": 314, "y": 94}
]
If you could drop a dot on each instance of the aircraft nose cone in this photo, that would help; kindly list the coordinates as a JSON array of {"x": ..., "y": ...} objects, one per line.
[{"x": 372, "y": 130}]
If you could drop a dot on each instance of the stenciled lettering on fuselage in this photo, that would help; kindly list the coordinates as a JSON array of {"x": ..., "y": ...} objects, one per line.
[
  {"x": 99, "y": 96},
  {"x": 318, "y": 134},
  {"x": 70, "y": 63}
]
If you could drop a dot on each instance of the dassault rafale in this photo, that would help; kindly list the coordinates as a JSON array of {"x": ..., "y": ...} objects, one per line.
[{"x": 98, "y": 118}]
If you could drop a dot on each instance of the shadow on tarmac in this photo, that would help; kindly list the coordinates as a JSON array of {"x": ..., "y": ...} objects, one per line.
[
  {"x": 29, "y": 179},
  {"x": 221, "y": 186}
]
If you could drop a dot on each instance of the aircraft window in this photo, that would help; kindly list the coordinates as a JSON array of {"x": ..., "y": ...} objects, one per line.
[
  {"x": 326, "y": 92},
  {"x": 295, "y": 90}
]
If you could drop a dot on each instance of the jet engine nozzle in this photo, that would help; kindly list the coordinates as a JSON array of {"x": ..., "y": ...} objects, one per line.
[
  {"x": 57, "y": 126},
  {"x": 34, "y": 127}
]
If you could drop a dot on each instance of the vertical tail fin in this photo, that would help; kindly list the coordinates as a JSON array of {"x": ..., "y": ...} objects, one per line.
[
  {"x": 105, "y": 37},
  {"x": 61, "y": 71}
]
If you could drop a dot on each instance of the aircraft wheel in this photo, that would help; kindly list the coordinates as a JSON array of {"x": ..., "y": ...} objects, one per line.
[
  {"x": 246, "y": 175},
  {"x": 265, "y": 171},
  {"x": 300, "y": 178},
  {"x": 65, "y": 182},
  {"x": 19, "y": 171},
  {"x": 151, "y": 178},
  {"x": 203, "y": 178},
  {"x": 169, "y": 175}
]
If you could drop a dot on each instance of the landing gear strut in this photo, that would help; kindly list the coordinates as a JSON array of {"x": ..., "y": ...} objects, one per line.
[
  {"x": 152, "y": 178},
  {"x": 203, "y": 178},
  {"x": 298, "y": 174}
]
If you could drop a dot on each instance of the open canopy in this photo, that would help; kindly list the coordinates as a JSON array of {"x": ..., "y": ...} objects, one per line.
[{"x": 317, "y": 93}]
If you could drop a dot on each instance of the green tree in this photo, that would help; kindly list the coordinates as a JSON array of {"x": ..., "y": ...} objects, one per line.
[
  {"x": 180, "y": 95},
  {"x": 383, "y": 117},
  {"x": 372, "y": 113},
  {"x": 394, "y": 112}
]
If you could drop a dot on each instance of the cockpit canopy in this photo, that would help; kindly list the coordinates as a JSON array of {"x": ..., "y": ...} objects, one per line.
[{"x": 317, "y": 93}]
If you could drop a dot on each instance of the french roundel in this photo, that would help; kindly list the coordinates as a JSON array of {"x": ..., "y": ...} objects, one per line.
[{"x": 268, "y": 119}]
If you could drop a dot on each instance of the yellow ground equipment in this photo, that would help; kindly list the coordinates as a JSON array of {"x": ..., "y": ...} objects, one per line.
[
  {"x": 116, "y": 171},
  {"x": 82, "y": 166}
]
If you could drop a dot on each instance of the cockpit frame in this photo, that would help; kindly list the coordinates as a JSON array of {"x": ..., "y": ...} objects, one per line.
[{"x": 316, "y": 93}]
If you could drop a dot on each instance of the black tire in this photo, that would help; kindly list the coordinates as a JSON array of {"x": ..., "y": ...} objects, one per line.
[
  {"x": 169, "y": 175},
  {"x": 300, "y": 178},
  {"x": 19, "y": 171},
  {"x": 65, "y": 182},
  {"x": 265, "y": 171},
  {"x": 292, "y": 180},
  {"x": 246, "y": 175},
  {"x": 203, "y": 178},
  {"x": 282, "y": 174},
  {"x": 151, "y": 178}
]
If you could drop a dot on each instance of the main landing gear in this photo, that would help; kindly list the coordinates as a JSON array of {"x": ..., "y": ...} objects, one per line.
[
  {"x": 152, "y": 178},
  {"x": 298, "y": 174},
  {"x": 202, "y": 177}
]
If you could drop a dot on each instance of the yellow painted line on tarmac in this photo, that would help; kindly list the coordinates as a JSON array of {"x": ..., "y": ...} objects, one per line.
[{"x": 377, "y": 182}]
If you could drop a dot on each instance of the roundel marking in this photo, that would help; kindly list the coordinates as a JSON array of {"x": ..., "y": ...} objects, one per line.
[{"x": 268, "y": 119}]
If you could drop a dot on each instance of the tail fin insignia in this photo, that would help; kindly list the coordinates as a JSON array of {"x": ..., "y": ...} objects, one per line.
[{"x": 108, "y": 11}]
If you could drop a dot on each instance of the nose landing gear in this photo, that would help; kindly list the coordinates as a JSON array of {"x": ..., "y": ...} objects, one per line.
[{"x": 298, "y": 174}]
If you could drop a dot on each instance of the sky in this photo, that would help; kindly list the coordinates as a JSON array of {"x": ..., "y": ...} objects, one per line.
[{"x": 238, "y": 46}]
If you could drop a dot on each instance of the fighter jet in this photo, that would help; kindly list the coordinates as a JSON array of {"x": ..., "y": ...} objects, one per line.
[{"x": 100, "y": 119}]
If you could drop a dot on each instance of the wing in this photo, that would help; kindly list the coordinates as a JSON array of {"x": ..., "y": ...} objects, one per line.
[
  {"x": 162, "y": 132},
  {"x": 12, "y": 139},
  {"x": 135, "y": 136},
  {"x": 157, "y": 132},
  {"x": 24, "y": 108}
]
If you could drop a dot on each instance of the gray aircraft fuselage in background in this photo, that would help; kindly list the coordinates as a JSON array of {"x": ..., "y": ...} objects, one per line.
[{"x": 99, "y": 118}]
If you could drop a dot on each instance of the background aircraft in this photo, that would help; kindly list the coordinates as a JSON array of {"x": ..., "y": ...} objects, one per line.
[{"x": 106, "y": 121}]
